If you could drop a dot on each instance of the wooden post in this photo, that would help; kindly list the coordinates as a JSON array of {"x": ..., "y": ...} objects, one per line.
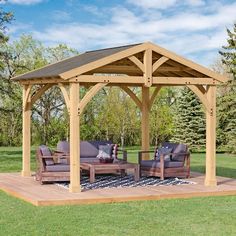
[
  {"x": 147, "y": 59},
  {"x": 210, "y": 179},
  {"x": 145, "y": 121},
  {"x": 74, "y": 139},
  {"x": 26, "y": 134}
]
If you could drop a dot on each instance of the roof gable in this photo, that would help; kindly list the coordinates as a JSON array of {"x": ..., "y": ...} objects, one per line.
[{"x": 124, "y": 60}]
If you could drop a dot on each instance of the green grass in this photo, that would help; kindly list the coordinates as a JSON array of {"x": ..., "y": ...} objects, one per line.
[{"x": 196, "y": 216}]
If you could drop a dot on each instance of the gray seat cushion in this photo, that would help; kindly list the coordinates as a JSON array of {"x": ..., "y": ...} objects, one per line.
[
  {"x": 156, "y": 164},
  {"x": 58, "y": 168}
]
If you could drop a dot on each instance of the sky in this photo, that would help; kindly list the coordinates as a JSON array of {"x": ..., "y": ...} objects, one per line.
[{"x": 195, "y": 29}]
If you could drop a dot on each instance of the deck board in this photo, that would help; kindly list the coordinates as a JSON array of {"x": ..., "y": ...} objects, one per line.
[{"x": 28, "y": 189}]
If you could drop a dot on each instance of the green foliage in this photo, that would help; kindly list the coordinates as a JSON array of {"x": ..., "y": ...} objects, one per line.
[
  {"x": 161, "y": 117},
  {"x": 189, "y": 120},
  {"x": 226, "y": 132},
  {"x": 49, "y": 119},
  {"x": 5, "y": 18}
]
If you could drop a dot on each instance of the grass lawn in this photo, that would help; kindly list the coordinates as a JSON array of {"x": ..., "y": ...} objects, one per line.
[{"x": 196, "y": 216}]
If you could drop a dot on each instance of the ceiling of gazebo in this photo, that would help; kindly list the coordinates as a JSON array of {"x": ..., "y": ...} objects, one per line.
[{"x": 125, "y": 60}]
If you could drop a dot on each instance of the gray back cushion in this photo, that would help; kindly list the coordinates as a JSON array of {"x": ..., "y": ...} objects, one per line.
[
  {"x": 45, "y": 151},
  {"x": 90, "y": 148},
  {"x": 63, "y": 146},
  {"x": 177, "y": 148}
]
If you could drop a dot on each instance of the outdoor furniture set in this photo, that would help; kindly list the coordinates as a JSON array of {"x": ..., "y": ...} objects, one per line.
[{"x": 103, "y": 157}]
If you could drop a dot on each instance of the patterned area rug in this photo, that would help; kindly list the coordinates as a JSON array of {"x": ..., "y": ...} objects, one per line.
[{"x": 108, "y": 181}]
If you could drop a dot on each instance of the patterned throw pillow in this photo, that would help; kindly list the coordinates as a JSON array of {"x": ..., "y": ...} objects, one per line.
[
  {"x": 115, "y": 151},
  {"x": 105, "y": 151},
  {"x": 163, "y": 151}
]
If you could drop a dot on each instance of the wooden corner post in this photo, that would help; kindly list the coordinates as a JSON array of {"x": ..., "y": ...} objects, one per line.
[
  {"x": 145, "y": 120},
  {"x": 26, "y": 171},
  {"x": 74, "y": 139},
  {"x": 210, "y": 179}
]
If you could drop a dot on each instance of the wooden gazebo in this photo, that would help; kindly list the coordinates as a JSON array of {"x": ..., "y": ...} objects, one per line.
[{"x": 142, "y": 65}]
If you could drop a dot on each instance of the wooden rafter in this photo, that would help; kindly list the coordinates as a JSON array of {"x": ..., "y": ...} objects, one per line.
[
  {"x": 201, "y": 96},
  {"x": 40, "y": 92},
  {"x": 137, "y": 62},
  {"x": 133, "y": 96},
  {"x": 158, "y": 63},
  {"x": 104, "y": 61},
  {"x": 65, "y": 95},
  {"x": 187, "y": 62},
  {"x": 89, "y": 95}
]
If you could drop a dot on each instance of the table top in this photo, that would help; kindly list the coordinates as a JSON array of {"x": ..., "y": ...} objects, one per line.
[{"x": 108, "y": 165}]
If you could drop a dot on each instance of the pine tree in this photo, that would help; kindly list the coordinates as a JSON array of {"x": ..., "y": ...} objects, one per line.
[
  {"x": 227, "y": 102},
  {"x": 189, "y": 120}
]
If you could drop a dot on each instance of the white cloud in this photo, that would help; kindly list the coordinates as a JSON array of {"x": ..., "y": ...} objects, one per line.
[
  {"x": 195, "y": 2},
  {"x": 59, "y": 15},
  {"x": 157, "y": 4},
  {"x": 187, "y": 33},
  {"x": 24, "y": 2}
]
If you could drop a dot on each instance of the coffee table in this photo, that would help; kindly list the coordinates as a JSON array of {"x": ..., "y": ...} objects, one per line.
[{"x": 107, "y": 168}]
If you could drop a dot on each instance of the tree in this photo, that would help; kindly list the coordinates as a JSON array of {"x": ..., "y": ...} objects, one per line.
[
  {"x": 5, "y": 18},
  {"x": 119, "y": 118},
  {"x": 161, "y": 118},
  {"x": 189, "y": 120},
  {"x": 21, "y": 56},
  {"x": 227, "y": 102}
]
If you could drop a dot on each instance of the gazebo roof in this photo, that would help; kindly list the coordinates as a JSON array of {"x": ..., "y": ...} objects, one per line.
[
  {"x": 123, "y": 60},
  {"x": 68, "y": 64}
]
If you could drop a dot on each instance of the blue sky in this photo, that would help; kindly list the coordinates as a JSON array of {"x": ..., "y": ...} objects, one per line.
[{"x": 195, "y": 29}]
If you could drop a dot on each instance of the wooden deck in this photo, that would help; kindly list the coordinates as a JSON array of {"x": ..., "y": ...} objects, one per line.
[{"x": 28, "y": 189}]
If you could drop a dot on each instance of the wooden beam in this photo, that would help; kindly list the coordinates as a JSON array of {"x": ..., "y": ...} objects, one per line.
[
  {"x": 74, "y": 139},
  {"x": 152, "y": 99},
  {"x": 210, "y": 178},
  {"x": 46, "y": 80},
  {"x": 65, "y": 95},
  {"x": 158, "y": 63},
  {"x": 104, "y": 61},
  {"x": 26, "y": 97},
  {"x": 133, "y": 96},
  {"x": 89, "y": 95},
  {"x": 184, "y": 80},
  {"x": 137, "y": 62},
  {"x": 187, "y": 62},
  {"x": 145, "y": 121},
  {"x": 40, "y": 92},
  {"x": 26, "y": 131},
  {"x": 139, "y": 80},
  {"x": 122, "y": 79},
  {"x": 201, "y": 96},
  {"x": 118, "y": 69},
  {"x": 147, "y": 60},
  {"x": 201, "y": 88}
]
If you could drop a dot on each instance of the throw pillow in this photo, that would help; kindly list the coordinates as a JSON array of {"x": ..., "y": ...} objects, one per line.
[
  {"x": 115, "y": 151},
  {"x": 104, "y": 151},
  {"x": 163, "y": 151}
]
